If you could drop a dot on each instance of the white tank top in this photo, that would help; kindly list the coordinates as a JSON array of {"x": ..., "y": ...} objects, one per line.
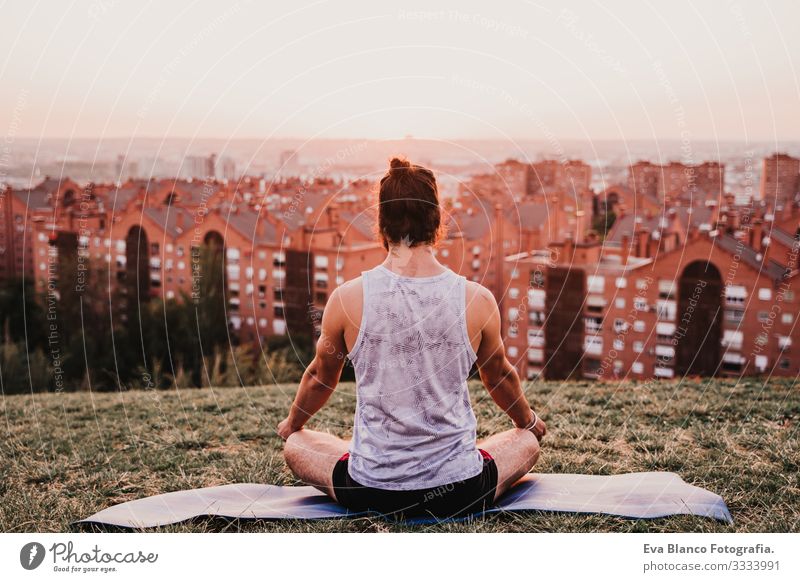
[{"x": 414, "y": 426}]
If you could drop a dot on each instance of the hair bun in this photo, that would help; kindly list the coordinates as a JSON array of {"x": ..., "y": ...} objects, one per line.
[{"x": 398, "y": 164}]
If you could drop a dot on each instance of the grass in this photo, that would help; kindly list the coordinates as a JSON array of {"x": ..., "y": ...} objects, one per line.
[{"x": 68, "y": 455}]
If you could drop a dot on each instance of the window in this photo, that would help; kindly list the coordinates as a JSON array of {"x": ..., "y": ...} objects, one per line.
[
  {"x": 513, "y": 313},
  {"x": 595, "y": 304},
  {"x": 765, "y": 293},
  {"x": 735, "y": 294},
  {"x": 595, "y": 284},
  {"x": 536, "y": 318},
  {"x": 513, "y": 352},
  {"x": 535, "y": 355},
  {"x": 734, "y": 315},
  {"x": 637, "y": 368},
  {"x": 641, "y": 284},
  {"x": 620, "y": 302},
  {"x": 638, "y": 325},
  {"x": 593, "y": 345},
  {"x": 621, "y": 282},
  {"x": 320, "y": 297},
  {"x": 763, "y": 316},
  {"x": 762, "y": 363},
  {"x": 784, "y": 342},
  {"x": 535, "y": 338},
  {"x": 666, "y": 288},
  {"x": 593, "y": 324},
  {"x": 662, "y": 372},
  {"x": 665, "y": 331},
  {"x": 536, "y": 298},
  {"x": 638, "y": 347},
  {"x": 732, "y": 339},
  {"x": 665, "y": 353},
  {"x": 787, "y": 318},
  {"x": 667, "y": 310},
  {"x": 620, "y": 325},
  {"x": 619, "y": 345},
  {"x": 640, "y": 304},
  {"x": 513, "y": 293},
  {"x": 321, "y": 261}
]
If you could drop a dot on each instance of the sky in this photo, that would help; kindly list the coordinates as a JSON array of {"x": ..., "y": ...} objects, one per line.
[{"x": 721, "y": 70}]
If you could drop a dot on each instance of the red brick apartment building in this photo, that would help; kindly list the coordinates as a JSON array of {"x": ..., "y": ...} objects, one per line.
[
  {"x": 695, "y": 291},
  {"x": 678, "y": 286}
]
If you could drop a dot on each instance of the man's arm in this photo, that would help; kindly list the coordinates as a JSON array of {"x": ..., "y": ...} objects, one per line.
[
  {"x": 322, "y": 374},
  {"x": 497, "y": 373}
]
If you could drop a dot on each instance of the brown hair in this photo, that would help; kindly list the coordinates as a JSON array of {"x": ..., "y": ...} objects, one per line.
[{"x": 408, "y": 205}]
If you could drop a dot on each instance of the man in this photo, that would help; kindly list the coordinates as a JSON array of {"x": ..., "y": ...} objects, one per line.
[{"x": 413, "y": 329}]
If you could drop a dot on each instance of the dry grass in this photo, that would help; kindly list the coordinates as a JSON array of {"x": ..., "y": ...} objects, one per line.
[{"x": 65, "y": 456}]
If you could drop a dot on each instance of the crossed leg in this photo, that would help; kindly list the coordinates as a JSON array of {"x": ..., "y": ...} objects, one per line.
[
  {"x": 312, "y": 455},
  {"x": 515, "y": 452}
]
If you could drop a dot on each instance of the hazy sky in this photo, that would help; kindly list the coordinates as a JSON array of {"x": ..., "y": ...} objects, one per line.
[{"x": 539, "y": 70}]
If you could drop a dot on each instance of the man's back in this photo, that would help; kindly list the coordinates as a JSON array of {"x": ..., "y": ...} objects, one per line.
[{"x": 414, "y": 426}]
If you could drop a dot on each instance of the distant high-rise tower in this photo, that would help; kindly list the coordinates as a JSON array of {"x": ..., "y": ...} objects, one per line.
[{"x": 780, "y": 179}]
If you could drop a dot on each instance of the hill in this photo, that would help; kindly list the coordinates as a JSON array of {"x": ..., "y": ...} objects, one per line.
[{"x": 67, "y": 455}]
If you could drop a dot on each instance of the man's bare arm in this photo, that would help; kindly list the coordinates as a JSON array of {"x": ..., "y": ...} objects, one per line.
[
  {"x": 322, "y": 374},
  {"x": 497, "y": 373}
]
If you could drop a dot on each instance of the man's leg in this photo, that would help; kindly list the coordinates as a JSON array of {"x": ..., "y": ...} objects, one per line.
[
  {"x": 515, "y": 452},
  {"x": 312, "y": 455}
]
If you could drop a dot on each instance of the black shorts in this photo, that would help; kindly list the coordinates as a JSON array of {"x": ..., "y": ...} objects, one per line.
[{"x": 452, "y": 500}]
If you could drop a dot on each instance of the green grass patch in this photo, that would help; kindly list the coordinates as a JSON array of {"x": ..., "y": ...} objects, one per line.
[{"x": 68, "y": 455}]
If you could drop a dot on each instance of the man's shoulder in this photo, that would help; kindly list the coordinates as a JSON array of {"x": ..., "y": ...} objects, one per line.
[
  {"x": 479, "y": 294},
  {"x": 347, "y": 296}
]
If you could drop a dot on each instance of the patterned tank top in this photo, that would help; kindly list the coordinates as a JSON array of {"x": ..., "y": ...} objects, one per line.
[{"x": 414, "y": 426}]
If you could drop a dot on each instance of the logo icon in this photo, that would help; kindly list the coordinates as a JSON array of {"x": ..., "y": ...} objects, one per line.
[{"x": 31, "y": 555}]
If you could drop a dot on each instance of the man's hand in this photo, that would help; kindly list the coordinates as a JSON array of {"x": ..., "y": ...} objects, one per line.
[
  {"x": 285, "y": 428},
  {"x": 539, "y": 429}
]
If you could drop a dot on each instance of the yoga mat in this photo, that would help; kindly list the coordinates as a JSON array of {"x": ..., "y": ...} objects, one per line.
[{"x": 632, "y": 495}]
